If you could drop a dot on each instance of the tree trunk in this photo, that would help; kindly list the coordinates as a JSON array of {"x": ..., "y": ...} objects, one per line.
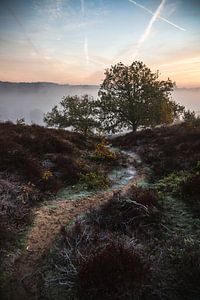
[{"x": 134, "y": 127}]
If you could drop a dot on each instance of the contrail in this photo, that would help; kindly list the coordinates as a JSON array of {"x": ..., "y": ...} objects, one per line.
[
  {"x": 144, "y": 35},
  {"x": 152, "y": 13},
  {"x": 86, "y": 52},
  {"x": 152, "y": 21},
  {"x": 19, "y": 23},
  {"x": 83, "y": 7},
  {"x": 86, "y": 49}
]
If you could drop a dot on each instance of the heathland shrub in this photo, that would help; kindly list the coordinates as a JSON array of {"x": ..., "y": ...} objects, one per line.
[
  {"x": 166, "y": 149},
  {"x": 138, "y": 212},
  {"x": 15, "y": 212},
  {"x": 102, "y": 152},
  {"x": 24, "y": 151},
  {"x": 183, "y": 256},
  {"x": 114, "y": 272},
  {"x": 94, "y": 264},
  {"x": 94, "y": 180},
  {"x": 172, "y": 182},
  {"x": 190, "y": 190}
]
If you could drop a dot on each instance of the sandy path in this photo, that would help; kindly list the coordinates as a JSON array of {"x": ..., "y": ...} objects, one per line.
[{"x": 48, "y": 220}]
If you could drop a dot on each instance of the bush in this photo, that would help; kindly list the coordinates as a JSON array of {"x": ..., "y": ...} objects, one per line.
[
  {"x": 93, "y": 264},
  {"x": 24, "y": 151},
  {"x": 15, "y": 201},
  {"x": 93, "y": 181},
  {"x": 172, "y": 183},
  {"x": 188, "y": 272},
  {"x": 183, "y": 257},
  {"x": 190, "y": 190},
  {"x": 166, "y": 149},
  {"x": 102, "y": 152},
  {"x": 115, "y": 272},
  {"x": 138, "y": 212}
]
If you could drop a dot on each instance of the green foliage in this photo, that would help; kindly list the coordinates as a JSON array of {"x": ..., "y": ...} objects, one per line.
[
  {"x": 94, "y": 181},
  {"x": 74, "y": 111},
  {"x": 132, "y": 96},
  {"x": 189, "y": 116},
  {"x": 102, "y": 152},
  {"x": 191, "y": 120},
  {"x": 46, "y": 175},
  {"x": 172, "y": 182}
]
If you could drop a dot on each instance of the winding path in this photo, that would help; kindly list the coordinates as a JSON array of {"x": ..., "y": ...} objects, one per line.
[{"x": 48, "y": 221}]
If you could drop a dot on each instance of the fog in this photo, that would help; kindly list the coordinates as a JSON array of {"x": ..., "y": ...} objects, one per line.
[
  {"x": 190, "y": 98},
  {"x": 31, "y": 101}
]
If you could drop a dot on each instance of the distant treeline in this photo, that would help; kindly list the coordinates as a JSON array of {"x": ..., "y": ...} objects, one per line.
[{"x": 6, "y": 86}]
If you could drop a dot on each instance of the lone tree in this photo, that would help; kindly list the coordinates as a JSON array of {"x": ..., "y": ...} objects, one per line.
[
  {"x": 133, "y": 96},
  {"x": 75, "y": 111}
]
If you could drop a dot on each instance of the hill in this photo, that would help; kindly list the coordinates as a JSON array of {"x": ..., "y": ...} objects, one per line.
[{"x": 35, "y": 162}]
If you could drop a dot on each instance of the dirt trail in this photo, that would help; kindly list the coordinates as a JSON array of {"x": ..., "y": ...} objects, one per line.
[{"x": 48, "y": 220}]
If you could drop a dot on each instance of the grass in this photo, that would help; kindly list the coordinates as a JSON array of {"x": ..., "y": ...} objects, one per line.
[
  {"x": 156, "y": 221},
  {"x": 144, "y": 245}
]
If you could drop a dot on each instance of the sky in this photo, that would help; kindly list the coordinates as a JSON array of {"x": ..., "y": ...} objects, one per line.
[{"x": 74, "y": 41}]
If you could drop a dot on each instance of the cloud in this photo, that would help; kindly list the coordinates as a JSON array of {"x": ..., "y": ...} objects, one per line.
[
  {"x": 152, "y": 21},
  {"x": 161, "y": 18},
  {"x": 83, "y": 7},
  {"x": 22, "y": 27},
  {"x": 52, "y": 8},
  {"x": 86, "y": 50},
  {"x": 133, "y": 50}
]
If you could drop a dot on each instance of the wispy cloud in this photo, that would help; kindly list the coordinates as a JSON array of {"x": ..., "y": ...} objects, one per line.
[
  {"x": 86, "y": 50},
  {"x": 83, "y": 7},
  {"x": 52, "y": 8},
  {"x": 22, "y": 28},
  {"x": 133, "y": 50},
  {"x": 161, "y": 18},
  {"x": 152, "y": 21}
]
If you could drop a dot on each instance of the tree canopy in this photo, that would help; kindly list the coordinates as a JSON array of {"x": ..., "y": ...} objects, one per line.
[
  {"x": 129, "y": 97},
  {"x": 133, "y": 96},
  {"x": 75, "y": 111}
]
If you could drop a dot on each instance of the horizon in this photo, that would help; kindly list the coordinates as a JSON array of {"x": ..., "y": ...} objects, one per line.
[
  {"x": 73, "y": 42},
  {"x": 84, "y": 84}
]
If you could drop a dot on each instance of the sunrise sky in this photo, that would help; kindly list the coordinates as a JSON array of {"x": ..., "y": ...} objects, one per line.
[{"x": 73, "y": 41}]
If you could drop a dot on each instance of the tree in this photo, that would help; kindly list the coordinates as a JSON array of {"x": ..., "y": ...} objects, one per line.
[
  {"x": 189, "y": 116},
  {"x": 75, "y": 111},
  {"x": 133, "y": 96}
]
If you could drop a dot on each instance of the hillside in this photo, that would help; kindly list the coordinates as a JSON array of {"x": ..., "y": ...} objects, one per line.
[
  {"x": 136, "y": 241},
  {"x": 35, "y": 162}
]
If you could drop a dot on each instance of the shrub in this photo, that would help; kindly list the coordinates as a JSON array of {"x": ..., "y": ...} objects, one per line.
[
  {"x": 15, "y": 200},
  {"x": 190, "y": 190},
  {"x": 102, "y": 152},
  {"x": 93, "y": 264},
  {"x": 188, "y": 271},
  {"x": 183, "y": 256},
  {"x": 93, "y": 181},
  {"x": 46, "y": 175},
  {"x": 68, "y": 168},
  {"x": 115, "y": 272},
  {"x": 166, "y": 150},
  {"x": 24, "y": 150},
  {"x": 138, "y": 212},
  {"x": 172, "y": 183}
]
